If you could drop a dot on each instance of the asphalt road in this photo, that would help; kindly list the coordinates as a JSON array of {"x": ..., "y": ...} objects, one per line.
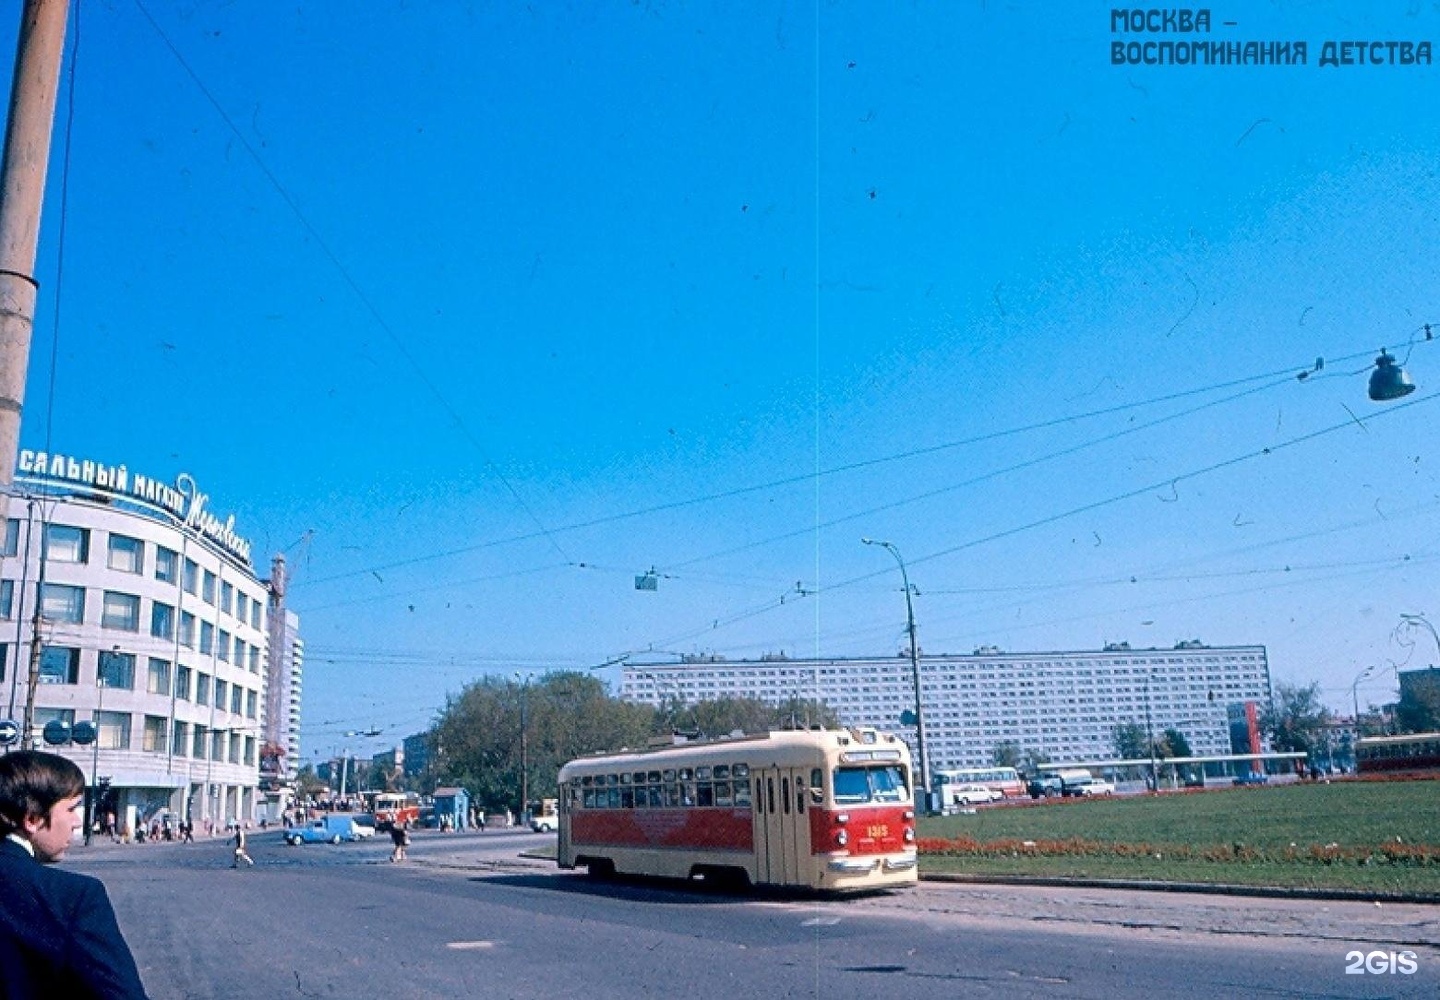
[{"x": 468, "y": 915}]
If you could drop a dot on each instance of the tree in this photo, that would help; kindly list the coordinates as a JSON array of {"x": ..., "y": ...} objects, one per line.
[
  {"x": 723, "y": 716},
  {"x": 1295, "y": 720},
  {"x": 496, "y": 726},
  {"x": 1130, "y": 741},
  {"x": 308, "y": 784},
  {"x": 1419, "y": 708},
  {"x": 1005, "y": 754},
  {"x": 1032, "y": 760},
  {"x": 1173, "y": 744}
]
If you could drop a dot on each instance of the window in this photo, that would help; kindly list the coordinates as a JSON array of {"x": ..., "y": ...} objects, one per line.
[
  {"x": 250, "y": 696},
  {"x": 67, "y": 544},
  {"x": 224, "y": 646},
  {"x": 202, "y": 689},
  {"x": 153, "y": 739},
  {"x": 116, "y": 670},
  {"x": 237, "y": 694},
  {"x": 254, "y": 659},
  {"x": 121, "y": 611},
  {"x": 227, "y": 597},
  {"x": 59, "y": 665},
  {"x": 180, "y": 740},
  {"x": 167, "y": 564},
  {"x": 207, "y": 588},
  {"x": 12, "y": 537},
  {"x": 162, "y": 621},
  {"x": 207, "y": 638},
  {"x": 48, "y": 715},
  {"x": 182, "y": 683},
  {"x": 242, "y": 607},
  {"x": 255, "y": 614},
  {"x": 192, "y": 577},
  {"x": 157, "y": 677},
  {"x": 187, "y": 630},
  {"x": 62, "y": 603},
  {"x": 127, "y": 555},
  {"x": 239, "y": 652},
  {"x": 221, "y": 689},
  {"x": 217, "y": 744},
  {"x": 7, "y": 599},
  {"x": 250, "y": 751},
  {"x": 198, "y": 743},
  {"x": 237, "y": 742},
  {"x": 5, "y": 660},
  {"x": 114, "y": 729}
]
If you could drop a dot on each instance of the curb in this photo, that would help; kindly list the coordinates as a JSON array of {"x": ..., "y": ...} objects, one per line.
[{"x": 1203, "y": 888}]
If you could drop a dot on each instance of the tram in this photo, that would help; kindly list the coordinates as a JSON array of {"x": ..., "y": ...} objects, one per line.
[{"x": 822, "y": 809}]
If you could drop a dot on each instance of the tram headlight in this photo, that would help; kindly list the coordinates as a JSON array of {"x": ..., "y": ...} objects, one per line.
[
  {"x": 909, "y": 835},
  {"x": 842, "y": 818},
  {"x": 909, "y": 814},
  {"x": 842, "y": 838}
]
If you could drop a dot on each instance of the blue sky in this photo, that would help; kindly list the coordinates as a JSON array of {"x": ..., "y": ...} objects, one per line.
[{"x": 478, "y": 310}]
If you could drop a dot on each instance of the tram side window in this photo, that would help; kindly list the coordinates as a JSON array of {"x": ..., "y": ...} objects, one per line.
[
  {"x": 704, "y": 794},
  {"x": 722, "y": 794},
  {"x": 741, "y": 773}
]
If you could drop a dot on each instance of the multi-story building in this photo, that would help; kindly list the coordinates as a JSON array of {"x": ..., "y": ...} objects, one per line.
[
  {"x": 415, "y": 754},
  {"x": 137, "y": 611},
  {"x": 280, "y": 752},
  {"x": 1064, "y": 705}
]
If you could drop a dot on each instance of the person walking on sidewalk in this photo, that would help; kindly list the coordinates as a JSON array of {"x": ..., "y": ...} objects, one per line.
[{"x": 239, "y": 841}]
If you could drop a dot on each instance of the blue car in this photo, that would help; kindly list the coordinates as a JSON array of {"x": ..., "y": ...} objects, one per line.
[{"x": 326, "y": 830}]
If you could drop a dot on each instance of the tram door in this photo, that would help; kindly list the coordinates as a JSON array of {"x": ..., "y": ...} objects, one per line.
[
  {"x": 782, "y": 829},
  {"x": 562, "y": 848}
]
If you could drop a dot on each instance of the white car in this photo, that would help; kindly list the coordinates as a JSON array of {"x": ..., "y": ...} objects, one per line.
[
  {"x": 362, "y": 830},
  {"x": 1093, "y": 786},
  {"x": 972, "y": 795}
]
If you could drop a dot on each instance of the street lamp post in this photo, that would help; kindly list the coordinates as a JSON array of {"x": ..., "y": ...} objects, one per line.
[
  {"x": 923, "y": 785},
  {"x": 1355, "y": 697},
  {"x": 1422, "y": 620},
  {"x": 1150, "y": 739},
  {"x": 524, "y": 745}
]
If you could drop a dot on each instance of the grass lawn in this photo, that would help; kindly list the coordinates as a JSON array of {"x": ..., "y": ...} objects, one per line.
[{"x": 1365, "y": 835}]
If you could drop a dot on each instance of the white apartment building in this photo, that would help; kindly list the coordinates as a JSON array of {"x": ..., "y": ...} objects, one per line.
[
  {"x": 1065, "y": 705},
  {"x": 152, "y": 626}
]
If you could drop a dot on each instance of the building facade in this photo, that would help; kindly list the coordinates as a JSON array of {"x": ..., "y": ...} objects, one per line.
[
  {"x": 280, "y": 754},
  {"x": 1064, "y": 705},
  {"x": 136, "y": 610}
]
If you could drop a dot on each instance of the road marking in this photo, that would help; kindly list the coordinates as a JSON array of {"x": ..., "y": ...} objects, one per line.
[
  {"x": 470, "y": 945},
  {"x": 821, "y": 922}
]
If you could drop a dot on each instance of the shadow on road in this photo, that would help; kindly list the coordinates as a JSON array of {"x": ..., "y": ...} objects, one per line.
[{"x": 644, "y": 889}]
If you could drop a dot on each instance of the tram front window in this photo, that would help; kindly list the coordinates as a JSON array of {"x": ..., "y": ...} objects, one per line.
[{"x": 856, "y": 785}]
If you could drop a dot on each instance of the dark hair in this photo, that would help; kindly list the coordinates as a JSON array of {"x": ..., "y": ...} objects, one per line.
[{"x": 31, "y": 782}]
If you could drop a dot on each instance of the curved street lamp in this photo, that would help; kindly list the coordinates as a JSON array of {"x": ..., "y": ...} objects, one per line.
[{"x": 924, "y": 784}]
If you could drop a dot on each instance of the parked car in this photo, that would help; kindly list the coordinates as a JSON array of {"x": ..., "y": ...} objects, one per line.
[
  {"x": 362, "y": 828},
  {"x": 1090, "y": 787},
  {"x": 971, "y": 795},
  {"x": 325, "y": 830},
  {"x": 1043, "y": 786},
  {"x": 1252, "y": 779}
]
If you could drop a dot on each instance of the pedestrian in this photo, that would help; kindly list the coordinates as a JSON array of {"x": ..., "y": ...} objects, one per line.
[
  {"x": 187, "y": 831},
  {"x": 239, "y": 841},
  {"x": 399, "y": 840},
  {"x": 58, "y": 932}
]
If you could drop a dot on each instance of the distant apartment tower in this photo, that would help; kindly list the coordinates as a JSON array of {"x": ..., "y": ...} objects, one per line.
[
  {"x": 1063, "y": 704},
  {"x": 416, "y": 754},
  {"x": 284, "y": 673}
]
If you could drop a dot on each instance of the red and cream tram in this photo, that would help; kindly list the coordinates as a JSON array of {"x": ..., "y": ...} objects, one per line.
[{"x": 825, "y": 809}]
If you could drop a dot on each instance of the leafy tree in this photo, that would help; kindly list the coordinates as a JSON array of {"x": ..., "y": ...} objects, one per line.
[
  {"x": 1173, "y": 744},
  {"x": 308, "y": 784},
  {"x": 1419, "y": 708},
  {"x": 1005, "y": 754},
  {"x": 1295, "y": 720},
  {"x": 493, "y": 727},
  {"x": 1032, "y": 760},
  {"x": 1130, "y": 741}
]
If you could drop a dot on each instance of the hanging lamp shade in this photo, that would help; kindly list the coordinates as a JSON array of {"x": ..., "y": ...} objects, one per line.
[{"x": 1388, "y": 380}]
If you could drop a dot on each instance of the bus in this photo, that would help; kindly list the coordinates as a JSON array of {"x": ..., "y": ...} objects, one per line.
[
  {"x": 1005, "y": 780},
  {"x": 396, "y": 807},
  {"x": 822, "y": 809},
  {"x": 1414, "y": 752}
]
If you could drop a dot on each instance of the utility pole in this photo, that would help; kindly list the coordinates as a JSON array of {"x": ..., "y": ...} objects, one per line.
[{"x": 22, "y": 190}]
